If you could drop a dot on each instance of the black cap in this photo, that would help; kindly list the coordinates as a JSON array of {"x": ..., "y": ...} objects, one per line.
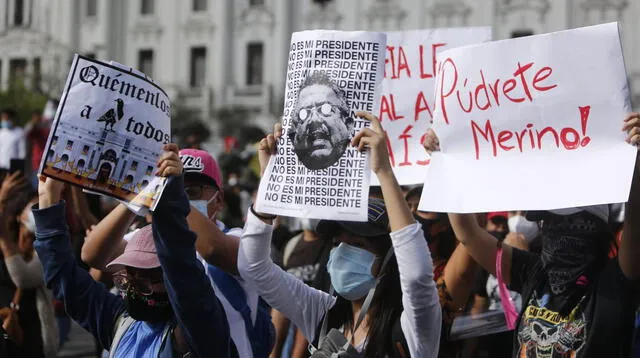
[{"x": 377, "y": 224}]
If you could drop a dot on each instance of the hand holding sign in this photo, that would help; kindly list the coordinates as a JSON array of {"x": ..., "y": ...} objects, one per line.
[
  {"x": 169, "y": 163},
  {"x": 632, "y": 127},
  {"x": 268, "y": 147},
  {"x": 431, "y": 143},
  {"x": 375, "y": 139}
]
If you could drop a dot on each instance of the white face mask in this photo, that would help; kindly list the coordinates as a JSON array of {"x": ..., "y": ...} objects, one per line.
[
  {"x": 203, "y": 205},
  {"x": 523, "y": 226}
]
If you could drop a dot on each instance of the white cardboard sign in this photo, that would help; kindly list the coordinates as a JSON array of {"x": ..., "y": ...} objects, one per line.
[
  {"x": 532, "y": 123},
  {"x": 407, "y": 97}
]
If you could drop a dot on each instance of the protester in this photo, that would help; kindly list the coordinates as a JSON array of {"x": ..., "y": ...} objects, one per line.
[
  {"x": 249, "y": 322},
  {"x": 576, "y": 300},
  {"x": 454, "y": 270},
  {"x": 21, "y": 282},
  {"x": 12, "y": 138},
  {"x": 159, "y": 312},
  {"x": 386, "y": 259}
]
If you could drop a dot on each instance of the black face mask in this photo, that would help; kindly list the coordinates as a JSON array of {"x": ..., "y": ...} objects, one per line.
[
  {"x": 154, "y": 308},
  {"x": 574, "y": 248},
  {"x": 426, "y": 225},
  {"x": 500, "y": 235}
]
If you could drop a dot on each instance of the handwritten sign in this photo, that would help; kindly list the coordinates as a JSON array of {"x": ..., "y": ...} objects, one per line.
[
  {"x": 531, "y": 124},
  {"x": 108, "y": 133},
  {"x": 316, "y": 173},
  {"x": 407, "y": 100}
]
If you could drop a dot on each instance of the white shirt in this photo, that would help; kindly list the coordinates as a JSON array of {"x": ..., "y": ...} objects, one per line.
[
  {"x": 12, "y": 146},
  {"x": 306, "y": 306}
]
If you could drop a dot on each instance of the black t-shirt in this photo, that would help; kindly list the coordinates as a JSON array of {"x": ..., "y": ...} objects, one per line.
[
  {"x": 601, "y": 325},
  {"x": 306, "y": 259}
]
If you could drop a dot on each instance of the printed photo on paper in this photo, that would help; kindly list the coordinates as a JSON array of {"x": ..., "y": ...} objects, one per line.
[{"x": 316, "y": 173}]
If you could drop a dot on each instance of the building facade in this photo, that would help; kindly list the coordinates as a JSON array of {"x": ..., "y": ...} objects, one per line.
[{"x": 212, "y": 54}]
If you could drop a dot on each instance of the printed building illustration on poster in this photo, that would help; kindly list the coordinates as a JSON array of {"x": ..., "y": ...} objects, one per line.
[{"x": 105, "y": 157}]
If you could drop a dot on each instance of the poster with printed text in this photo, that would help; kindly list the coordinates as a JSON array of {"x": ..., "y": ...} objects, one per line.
[
  {"x": 316, "y": 173},
  {"x": 533, "y": 123},
  {"x": 108, "y": 133},
  {"x": 407, "y": 97}
]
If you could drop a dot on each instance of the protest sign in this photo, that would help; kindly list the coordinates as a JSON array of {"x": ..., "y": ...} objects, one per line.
[
  {"x": 407, "y": 98},
  {"x": 533, "y": 123},
  {"x": 108, "y": 133},
  {"x": 316, "y": 173}
]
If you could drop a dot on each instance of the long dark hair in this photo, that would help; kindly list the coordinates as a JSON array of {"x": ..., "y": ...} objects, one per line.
[
  {"x": 385, "y": 309},
  {"x": 13, "y": 209}
]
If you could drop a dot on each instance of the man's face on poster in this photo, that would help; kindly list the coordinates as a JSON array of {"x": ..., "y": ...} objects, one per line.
[{"x": 321, "y": 127}]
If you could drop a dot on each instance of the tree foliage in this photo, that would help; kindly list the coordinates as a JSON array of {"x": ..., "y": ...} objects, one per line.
[{"x": 23, "y": 100}]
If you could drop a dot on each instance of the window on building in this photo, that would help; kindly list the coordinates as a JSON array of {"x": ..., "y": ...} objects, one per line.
[
  {"x": 134, "y": 165},
  {"x": 69, "y": 145},
  {"x": 254, "y": 63},
  {"x": 18, "y": 12},
  {"x": 17, "y": 69},
  {"x": 521, "y": 33},
  {"x": 198, "y": 66},
  {"x": 256, "y": 2},
  {"x": 146, "y": 7},
  {"x": 199, "y": 5},
  {"x": 92, "y": 8},
  {"x": 85, "y": 150},
  {"x": 37, "y": 76},
  {"x": 145, "y": 62}
]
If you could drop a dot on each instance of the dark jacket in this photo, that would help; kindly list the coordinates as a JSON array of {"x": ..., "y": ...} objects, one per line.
[{"x": 197, "y": 310}]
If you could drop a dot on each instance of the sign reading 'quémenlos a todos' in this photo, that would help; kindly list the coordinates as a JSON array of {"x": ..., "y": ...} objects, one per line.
[{"x": 109, "y": 131}]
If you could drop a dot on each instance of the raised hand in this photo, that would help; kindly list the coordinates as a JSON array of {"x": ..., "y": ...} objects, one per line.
[
  {"x": 431, "y": 142},
  {"x": 632, "y": 127},
  {"x": 12, "y": 184},
  {"x": 169, "y": 163},
  {"x": 375, "y": 139},
  {"x": 268, "y": 146}
]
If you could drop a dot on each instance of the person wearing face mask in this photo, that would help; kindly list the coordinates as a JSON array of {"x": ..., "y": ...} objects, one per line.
[
  {"x": 519, "y": 223},
  {"x": 166, "y": 306},
  {"x": 576, "y": 300},
  {"x": 22, "y": 268},
  {"x": 12, "y": 139},
  {"x": 217, "y": 246},
  {"x": 385, "y": 302}
]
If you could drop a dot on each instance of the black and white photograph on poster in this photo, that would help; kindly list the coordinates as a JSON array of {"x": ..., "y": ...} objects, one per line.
[
  {"x": 316, "y": 173},
  {"x": 108, "y": 133}
]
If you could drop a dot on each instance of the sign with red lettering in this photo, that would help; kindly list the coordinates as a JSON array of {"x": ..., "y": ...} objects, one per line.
[
  {"x": 407, "y": 98},
  {"x": 531, "y": 123}
]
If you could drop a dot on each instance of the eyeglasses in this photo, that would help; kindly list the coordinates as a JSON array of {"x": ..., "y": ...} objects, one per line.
[
  {"x": 143, "y": 285},
  {"x": 324, "y": 109},
  {"x": 194, "y": 192}
]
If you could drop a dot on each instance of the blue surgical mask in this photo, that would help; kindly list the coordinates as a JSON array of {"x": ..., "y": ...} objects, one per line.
[
  {"x": 5, "y": 124},
  {"x": 202, "y": 205},
  {"x": 350, "y": 271}
]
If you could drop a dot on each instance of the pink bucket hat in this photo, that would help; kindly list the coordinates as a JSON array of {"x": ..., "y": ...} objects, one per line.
[
  {"x": 199, "y": 163},
  {"x": 139, "y": 253}
]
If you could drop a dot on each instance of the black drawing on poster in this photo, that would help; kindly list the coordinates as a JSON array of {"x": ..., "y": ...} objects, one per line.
[
  {"x": 113, "y": 115},
  {"x": 321, "y": 124}
]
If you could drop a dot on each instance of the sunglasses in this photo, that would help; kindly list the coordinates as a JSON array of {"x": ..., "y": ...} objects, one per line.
[
  {"x": 324, "y": 109},
  {"x": 142, "y": 285}
]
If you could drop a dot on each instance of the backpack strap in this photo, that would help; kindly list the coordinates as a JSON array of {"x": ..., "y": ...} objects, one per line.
[{"x": 122, "y": 325}]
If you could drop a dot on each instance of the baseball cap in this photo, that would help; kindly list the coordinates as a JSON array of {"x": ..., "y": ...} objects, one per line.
[
  {"x": 199, "y": 164},
  {"x": 376, "y": 225},
  {"x": 140, "y": 252},
  {"x": 498, "y": 214}
]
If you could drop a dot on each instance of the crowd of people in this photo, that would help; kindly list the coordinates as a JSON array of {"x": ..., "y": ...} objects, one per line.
[{"x": 187, "y": 281}]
